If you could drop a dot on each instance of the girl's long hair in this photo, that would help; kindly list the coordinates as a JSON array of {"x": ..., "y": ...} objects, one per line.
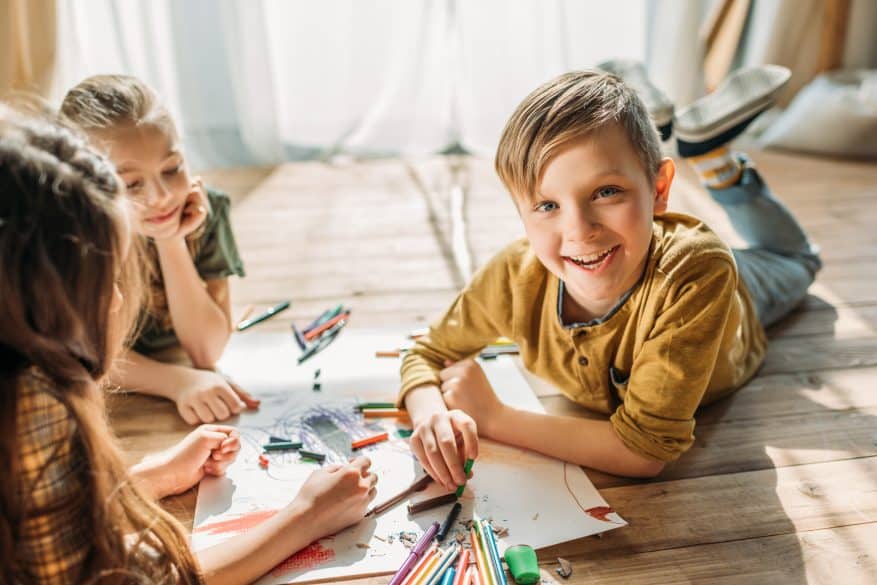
[{"x": 63, "y": 244}]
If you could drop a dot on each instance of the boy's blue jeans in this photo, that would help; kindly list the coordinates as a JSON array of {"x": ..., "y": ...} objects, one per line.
[{"x": 780, "y": 263}]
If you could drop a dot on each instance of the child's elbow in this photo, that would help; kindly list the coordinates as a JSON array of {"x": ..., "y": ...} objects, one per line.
[
  {"x": 647, "y": 469},
  {"x": 205, "y": 355}
]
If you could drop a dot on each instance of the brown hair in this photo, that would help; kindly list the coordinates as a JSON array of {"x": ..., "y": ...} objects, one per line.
[
  {"x": 61, "y": 250},
  {"x": 569, "y": 107},
  {"x": 103, "y": 102}
]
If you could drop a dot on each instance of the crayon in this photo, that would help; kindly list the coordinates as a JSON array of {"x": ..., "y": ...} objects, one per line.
[
  {"x": 425, "y": 505},
  {"x": 467, "y": 469},
  {"x": 369, "y": 441},
  {"x": 311, "y": 455},
  {"x": 449, "y": 522},
  {"x": 282, "y": 445},
  {"x": 263, "y": 316},
  {"x": 373, "y": 405}
]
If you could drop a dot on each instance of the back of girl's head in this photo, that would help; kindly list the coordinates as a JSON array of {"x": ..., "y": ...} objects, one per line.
[
  {"x": 104, "y": 102},
  {"x": 63, "y": 233},
  {"x": 63, "y": 243}
]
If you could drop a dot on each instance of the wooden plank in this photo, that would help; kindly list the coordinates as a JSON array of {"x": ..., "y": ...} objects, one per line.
[
  {"x": 815, "y": 353},
  {"x": 845, "y": 554},
  {"x": 722, "y": 508},
  {"x": 840, "y": 322}
]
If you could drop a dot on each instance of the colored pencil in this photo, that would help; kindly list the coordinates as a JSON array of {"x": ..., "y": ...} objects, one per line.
[
  {"x": 462, "y": 567},
  {"x": 421, "y": 564},
  {"x": 467, "y": 468},
  {"x": 246, "y": 324},
  {"x": 415, "y": 554},
  {"x": 480, "y": 561},
  {"x": 493, "y": 550},
  {"x": 446, "y": 561}
]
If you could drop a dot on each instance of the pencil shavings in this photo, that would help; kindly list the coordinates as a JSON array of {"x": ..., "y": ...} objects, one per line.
[
  {"x": 363, "y": 546},
  {"x": 565, "y": 568},
  {"x": 501, "y": 531}
]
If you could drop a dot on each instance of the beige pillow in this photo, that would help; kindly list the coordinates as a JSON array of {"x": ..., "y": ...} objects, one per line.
[{"x": 834, "y": 114}]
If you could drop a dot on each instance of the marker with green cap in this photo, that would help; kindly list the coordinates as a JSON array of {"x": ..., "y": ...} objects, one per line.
[{"x": 467, "y": 468}]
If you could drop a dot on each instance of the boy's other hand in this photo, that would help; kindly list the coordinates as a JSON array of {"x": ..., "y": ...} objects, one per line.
[
  {"x": 206, "y": 396},
  {"x": 465, "y": 387},
  {"x": 208, "y": 450},
  {"x": 442, "y": 442}
]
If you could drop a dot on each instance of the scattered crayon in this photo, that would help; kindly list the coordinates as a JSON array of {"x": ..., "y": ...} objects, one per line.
[
  {"x": 319, "y": 457},
  {"x": 369, "y": 441},
  {"x": 282, "y": 446}
]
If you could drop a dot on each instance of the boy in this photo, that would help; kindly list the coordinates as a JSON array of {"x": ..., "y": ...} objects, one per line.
[{"x": 631, "y": 311}]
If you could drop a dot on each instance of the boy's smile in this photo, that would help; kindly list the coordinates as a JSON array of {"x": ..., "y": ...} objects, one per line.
[{"x": 590, "y": 222}]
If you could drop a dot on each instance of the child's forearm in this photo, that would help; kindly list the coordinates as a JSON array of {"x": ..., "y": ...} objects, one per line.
[
  {"x": 423, "y": 401},
  {"x": 247, "y": 557},
  {"x": 134, "y": 371},
  {"x": 201, "y": 325},
  {"x": 592, "y": 443}
]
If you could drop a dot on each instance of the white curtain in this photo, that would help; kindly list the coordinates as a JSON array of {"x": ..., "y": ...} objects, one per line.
[{"x": 260, "y": 81}]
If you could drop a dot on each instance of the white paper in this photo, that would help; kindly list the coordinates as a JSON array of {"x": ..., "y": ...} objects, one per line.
[{"x": 540, "y": 501}]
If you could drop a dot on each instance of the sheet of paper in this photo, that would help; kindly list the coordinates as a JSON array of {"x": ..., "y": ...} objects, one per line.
[{"x": 540, "y": 501}]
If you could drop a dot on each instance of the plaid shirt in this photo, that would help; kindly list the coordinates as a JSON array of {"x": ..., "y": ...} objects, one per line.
[{"x": 55, "y": 535}]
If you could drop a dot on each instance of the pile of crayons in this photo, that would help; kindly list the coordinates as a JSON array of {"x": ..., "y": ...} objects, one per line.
[
  {"x": 428, "y": 564},
  {"x": 321, "y": 332}
]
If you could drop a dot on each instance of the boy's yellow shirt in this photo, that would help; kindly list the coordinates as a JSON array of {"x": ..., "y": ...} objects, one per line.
[{"x": 686, "y": 335}]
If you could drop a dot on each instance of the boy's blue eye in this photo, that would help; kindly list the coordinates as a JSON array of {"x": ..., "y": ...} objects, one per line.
[
  {"x": 604, "y": 192},
  {"x": 546, "y": 206}
]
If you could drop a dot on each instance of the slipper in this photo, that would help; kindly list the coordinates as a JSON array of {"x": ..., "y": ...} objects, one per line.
[{"x": 721, "y": 116}]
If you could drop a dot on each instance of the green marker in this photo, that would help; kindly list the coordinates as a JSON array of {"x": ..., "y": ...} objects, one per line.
[
  {"x": 467, "y": 468},
  {"x": 281, "y": 446}
]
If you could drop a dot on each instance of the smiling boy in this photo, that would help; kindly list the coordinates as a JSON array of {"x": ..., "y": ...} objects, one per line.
[{"x": 631, "y": 311}]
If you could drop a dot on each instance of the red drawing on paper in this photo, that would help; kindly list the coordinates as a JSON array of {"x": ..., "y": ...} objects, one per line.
[
  {"x": 307, "y": 558},
  {"x": 600, "y": 513},
  {"x": 237, "y": 524}
]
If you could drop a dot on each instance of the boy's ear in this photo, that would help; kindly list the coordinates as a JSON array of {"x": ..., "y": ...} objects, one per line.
[{"x": 663, "y": 180}]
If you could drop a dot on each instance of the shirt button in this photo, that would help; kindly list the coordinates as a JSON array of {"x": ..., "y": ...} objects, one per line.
[{"x": 583, "y": 361}]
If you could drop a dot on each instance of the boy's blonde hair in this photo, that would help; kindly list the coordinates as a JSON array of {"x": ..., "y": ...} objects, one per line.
[{"x": 567, "y": 108}]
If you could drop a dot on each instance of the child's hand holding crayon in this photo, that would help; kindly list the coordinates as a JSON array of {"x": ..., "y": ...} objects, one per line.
[
  {"x": 208, "y": 450},
  {"x": 336, "y": 496}
]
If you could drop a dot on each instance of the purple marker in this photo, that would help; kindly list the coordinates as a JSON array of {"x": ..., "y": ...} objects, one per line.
[{"x": 415, "y": 555}]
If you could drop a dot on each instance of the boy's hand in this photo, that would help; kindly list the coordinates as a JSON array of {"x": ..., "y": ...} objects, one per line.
[
  {"x": 194, "y": 209},
  {"x": 442, "y": 442},
  {"x": 206, "y": 396},
  {"x": 208, "y": 450},
  {"x": 336, "y": 496},
  {"x": 465, "y": 387}
]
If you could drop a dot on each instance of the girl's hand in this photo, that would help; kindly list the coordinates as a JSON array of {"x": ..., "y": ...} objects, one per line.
[
  {"x": 206, "y": 396},
  {"x": 337, "y": 496},
  {"x": 208, "y": 450},
  {"x": 194, "y": 209},
  {"x": 442, "y": 442}
]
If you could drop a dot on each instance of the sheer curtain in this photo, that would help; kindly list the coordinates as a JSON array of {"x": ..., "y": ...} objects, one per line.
[{"x": 263, "y": 81}]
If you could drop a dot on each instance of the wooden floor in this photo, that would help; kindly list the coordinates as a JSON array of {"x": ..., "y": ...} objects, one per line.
[{"x": 781, "y": 484}]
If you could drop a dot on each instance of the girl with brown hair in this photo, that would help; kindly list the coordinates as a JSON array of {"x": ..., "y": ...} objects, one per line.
[{"x": 71, "y": 513}]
